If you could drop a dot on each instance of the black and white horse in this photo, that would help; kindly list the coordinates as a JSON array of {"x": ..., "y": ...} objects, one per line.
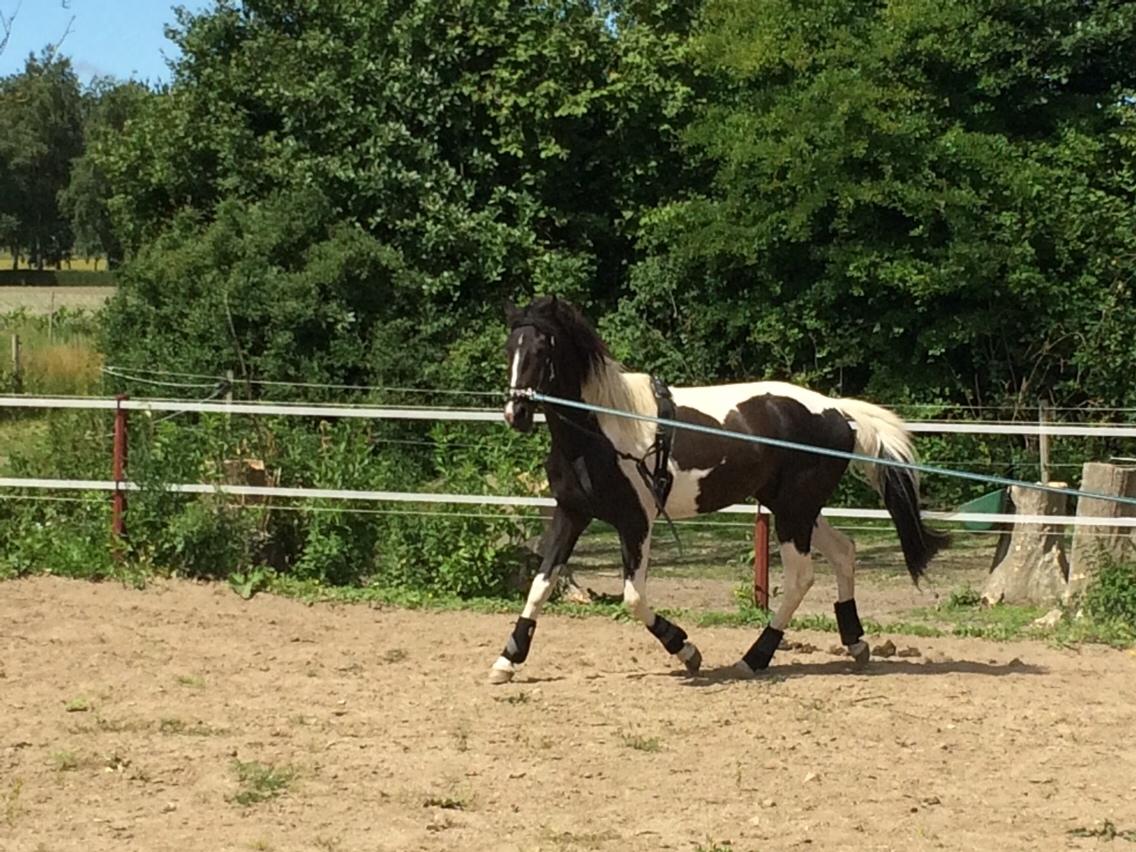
[{"x": 607, "y": 467}]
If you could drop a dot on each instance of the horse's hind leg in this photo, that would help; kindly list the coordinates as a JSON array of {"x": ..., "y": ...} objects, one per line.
[
  {"x": 840, "y": 552},
  {"x": 636, "y": 546}
]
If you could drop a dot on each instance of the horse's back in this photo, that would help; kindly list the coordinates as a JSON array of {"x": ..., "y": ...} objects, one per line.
[{"x": 715, "y": 471}]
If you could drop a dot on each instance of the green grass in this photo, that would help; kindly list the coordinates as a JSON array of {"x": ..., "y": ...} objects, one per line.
[
  {"x": 76, "y": 264},
  {"x": 57, "y": 356},
  {"x": 260, "y": 782},
  {"x": 955, "y": 618},
  {"x": 638, "y": 742}
]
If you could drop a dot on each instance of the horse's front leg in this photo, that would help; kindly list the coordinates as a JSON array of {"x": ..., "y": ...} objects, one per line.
[
  {"x": 799, "y": 575},
  {"x": 563, "y": 533},
  {"x": 635, "y": 541}
]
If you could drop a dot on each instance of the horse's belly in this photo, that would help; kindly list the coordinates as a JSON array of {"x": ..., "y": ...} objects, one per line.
[{"x": 698, "y": 491}]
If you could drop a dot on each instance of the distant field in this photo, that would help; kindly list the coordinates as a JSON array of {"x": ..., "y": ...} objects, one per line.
[
  {"x": 41, "y": 300},
  {"x": 97, "y": 264}
]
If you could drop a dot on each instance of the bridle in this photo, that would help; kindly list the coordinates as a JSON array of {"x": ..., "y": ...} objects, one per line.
[{"x": 547, "y": 368}]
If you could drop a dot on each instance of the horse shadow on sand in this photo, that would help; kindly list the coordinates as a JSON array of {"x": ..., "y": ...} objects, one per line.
[{"x": 888, "y": 667}]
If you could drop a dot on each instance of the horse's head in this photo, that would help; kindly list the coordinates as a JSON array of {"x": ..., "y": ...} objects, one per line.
[
  {"x": 531, "y": 350},
  {"x": 551, "y": 349}
]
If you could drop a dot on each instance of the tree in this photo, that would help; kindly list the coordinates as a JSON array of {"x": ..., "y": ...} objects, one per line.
[
  {"x": 912, "y": 200},
  {"x": 108, "y": 106},
  {"x": 41, "y": 135},
  {"x": 347, "y": 190}
]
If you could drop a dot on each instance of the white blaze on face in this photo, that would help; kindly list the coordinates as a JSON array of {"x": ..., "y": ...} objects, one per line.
[{"x": 514, "y": 375}]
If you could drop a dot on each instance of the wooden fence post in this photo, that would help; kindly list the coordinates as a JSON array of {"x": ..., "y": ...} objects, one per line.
[{"x": 761, "y": 560}]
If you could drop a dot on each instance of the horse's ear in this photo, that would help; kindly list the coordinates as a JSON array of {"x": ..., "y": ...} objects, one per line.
[{"x": 512, "y": 312}]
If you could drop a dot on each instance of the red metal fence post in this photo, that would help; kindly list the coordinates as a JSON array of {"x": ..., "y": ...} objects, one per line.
[
  {"x": 761, "y": 559},
  {"x": 118, "y": 505}
]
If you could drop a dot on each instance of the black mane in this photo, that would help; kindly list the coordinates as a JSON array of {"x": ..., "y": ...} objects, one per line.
[{"x": 578, "y": 353}]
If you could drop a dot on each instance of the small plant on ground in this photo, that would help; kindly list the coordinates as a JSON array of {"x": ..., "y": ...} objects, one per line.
[
  {"x": 260, "y": 781},
  {"x": 640, "y": 742},
  {"x": 714, "y": 846},
  {"x": 964, "y": 598},
  {"x": 1107, "y": 830},
  {"x": 449, "y": 803},
  {"x": 65, "y": 761},
  {"x": 1112, "y": 595}
]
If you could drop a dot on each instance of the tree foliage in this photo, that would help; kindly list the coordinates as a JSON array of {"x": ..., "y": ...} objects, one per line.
[
  {"x": 918, "y": 200},
  {"x": 347, "y": 190},
  {"x": 40, "y": 134}
]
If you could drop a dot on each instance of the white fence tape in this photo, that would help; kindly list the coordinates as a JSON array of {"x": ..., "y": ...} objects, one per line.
[
  {"x": 494, "y": 415},
  {"x": 1106, "y": 430},
  {"x": 503, "y": 500}
]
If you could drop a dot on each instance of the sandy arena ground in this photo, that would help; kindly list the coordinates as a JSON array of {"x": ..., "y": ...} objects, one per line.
[{"x": 125, "y": 717}]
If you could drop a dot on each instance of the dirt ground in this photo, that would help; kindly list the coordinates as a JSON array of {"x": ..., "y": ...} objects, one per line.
[{"x": 127, "y": 716}]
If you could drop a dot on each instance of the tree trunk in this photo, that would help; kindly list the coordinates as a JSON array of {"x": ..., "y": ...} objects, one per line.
[
  {"x": 1034, "y": 569},
  {"x": 1094, "y": 546}
]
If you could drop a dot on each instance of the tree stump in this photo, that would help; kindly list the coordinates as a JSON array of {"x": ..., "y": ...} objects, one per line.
[
  {"x": 1093, "y": 546},
  {"x": 1034, "y": 569}
]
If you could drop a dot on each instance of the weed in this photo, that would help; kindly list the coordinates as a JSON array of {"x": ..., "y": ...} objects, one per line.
[
  {"x": 583, "y": 840},
  {"x": 394, "y": 655},
  {"x": 248, "y": 583},
  {"x": 448, "y": 803},
  {"x": 964, "y": 598},
  {"x": 1107, "y": 830},
  {"x": 641, "y": 743},
  {"x": 260, "y": 781},
  {"x": 714, "y": 846},
  {"x": 461, "y": 737},
  {"x": 192, "y": 681},
  {"x": 1112, "y": 595},
  {"x": 12, "y": 807},
  {"x": 515, "y": 698},
  {"x": 77, "y": 705},
  {"x": 65, "y": 761},
  {"x": 177, "y": 726}
]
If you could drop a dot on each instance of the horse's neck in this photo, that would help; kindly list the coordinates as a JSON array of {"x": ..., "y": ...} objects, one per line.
[{"x": 608, "y": 386}]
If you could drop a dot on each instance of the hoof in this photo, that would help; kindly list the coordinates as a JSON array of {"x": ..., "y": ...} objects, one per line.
[
  {"x": 502, "y": 671},
  {"x": 742, "y": 670},
  {"x": 860, "y": 653},
  {"x": 499, "y": 676},
  {"x": 694, "y": 662}
]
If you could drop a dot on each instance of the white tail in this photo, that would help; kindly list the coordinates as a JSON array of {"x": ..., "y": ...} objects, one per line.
[{"x": 879, "y": 434}]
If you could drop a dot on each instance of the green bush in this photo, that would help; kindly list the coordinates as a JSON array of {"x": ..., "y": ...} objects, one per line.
[
  {"x": 426, "y": 548},
  {"x": 1112, "y": 594}
]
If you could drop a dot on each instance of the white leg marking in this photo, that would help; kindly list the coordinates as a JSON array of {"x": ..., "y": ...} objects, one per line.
[
  {"x": 840, "y": 551},
  {"x": 798, "y": 580},
  {"x": 539, "y": 593},
  {"x": 635, "y": 588}
]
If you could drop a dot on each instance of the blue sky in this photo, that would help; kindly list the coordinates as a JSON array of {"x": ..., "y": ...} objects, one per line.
[{"x": 122, "y": 38}]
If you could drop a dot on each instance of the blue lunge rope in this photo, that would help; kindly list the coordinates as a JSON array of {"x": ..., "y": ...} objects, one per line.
[{"x": 536, "y": 396}]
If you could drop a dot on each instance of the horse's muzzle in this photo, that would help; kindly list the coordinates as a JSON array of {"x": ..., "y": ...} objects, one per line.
[{"x": 519, "y": 415}]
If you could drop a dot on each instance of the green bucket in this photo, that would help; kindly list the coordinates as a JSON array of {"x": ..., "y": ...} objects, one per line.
[{"x": 988, "y": 504}]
